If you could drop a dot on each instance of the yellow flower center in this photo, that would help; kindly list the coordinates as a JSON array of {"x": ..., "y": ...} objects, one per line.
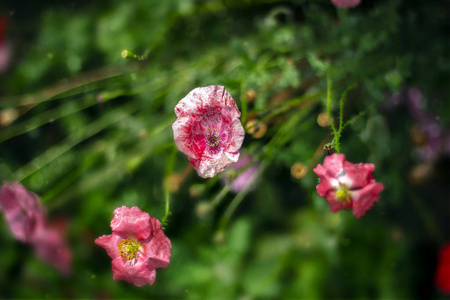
[
  {"x": 129, "y": 249},
  {"x": 343, "y": 193},
  {"x": 212, "y": 138}
]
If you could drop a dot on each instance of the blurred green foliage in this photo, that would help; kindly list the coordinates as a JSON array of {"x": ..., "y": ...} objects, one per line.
[{"x": 89, "y": 131}]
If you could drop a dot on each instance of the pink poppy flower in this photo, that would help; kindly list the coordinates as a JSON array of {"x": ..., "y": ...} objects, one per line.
[
  {"x": 208, "y": 129},
  {"x": 50, "y": 246},
  {"x": 346, "y": 185},
  {"x": 442, "y": 276},
  {"x": 137, "y": 246},
  {"x": 22, "y": 210},
  {"x": 345, "y": 3}
]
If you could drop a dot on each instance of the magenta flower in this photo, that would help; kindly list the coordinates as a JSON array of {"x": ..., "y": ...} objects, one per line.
[
  {"x": 137, "y": 246},
  {"x": 27, "y": 221},
  {"x": 346, "y": 185},
  {"x": 345, "y": 3},
  {"x": 22, "y": 210},
  {"x": 208, "y": 129}
]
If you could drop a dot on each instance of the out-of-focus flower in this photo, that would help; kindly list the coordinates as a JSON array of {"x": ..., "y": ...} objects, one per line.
[
  {"x": 51, "y": 247},
  {"x": 346, "y": 185},
  {"x": 345, "y": 3},
  {"x": 442, "y": 276},
  {"x": 298, "y": 170},
  {"x": 208, "y": 129},
  {"x": 5, "y": 48},
  {"x": 255, "y": 128},
  {"x": 22, "y": 210},
  {"x": 137, "y": 246},
  {"x": 430, "y": 138},
  {"x": 247, "y": 179},
  {"x": 28, "y": 223},
  {"x": 322, "y": 120}
]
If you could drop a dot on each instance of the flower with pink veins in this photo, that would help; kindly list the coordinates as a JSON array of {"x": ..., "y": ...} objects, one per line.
[
  {"x": 208, "y": 129},
  {"x": 346, "y": 185},
  {"x": 137, "y": 246},
  {"x": 345, "y": 3},
  {"x": 22, "y": 210}
]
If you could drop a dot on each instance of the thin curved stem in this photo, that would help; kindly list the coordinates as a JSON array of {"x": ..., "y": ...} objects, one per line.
[{"x": 330, "y": 117}]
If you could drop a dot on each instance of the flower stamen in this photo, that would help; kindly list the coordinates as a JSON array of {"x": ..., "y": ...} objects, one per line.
[
  {"x": 128, "y": 249},
  {"x": 212, "y": 138},
  {"x": 343, "y": 194}
]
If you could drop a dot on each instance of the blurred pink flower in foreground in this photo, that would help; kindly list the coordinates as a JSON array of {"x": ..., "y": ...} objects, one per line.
[
  {"x": 346, "y": 185},
  {"x": 345, "y": 3},
  {"x": 442, "y": 276},
  {"x": 208, "y": 129},
  {"x": 28, "y": 223},
  {"x": 248, "y": 178},
  {"x": 5, "y": 48},
  {"x": 22, "y": 210},
  {"x": 49, "y": 244},
  {"x": 137, "y": 246}
]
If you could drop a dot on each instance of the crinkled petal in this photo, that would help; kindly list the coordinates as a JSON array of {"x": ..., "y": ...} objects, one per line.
[
  {"x": 199, "y": 99},
  {"x": 110, "y": 243},
  {"x": 188, "y": 136},
  {"x": 334, "y": 164},
  {"x": 138, "y": 272},
  {"x": 131, "y": 222},
  {"x": 327, "y": 182},
  {"x": 237, "y": 135},
  {"x": 157, "y": 248},
  {"x": 364, "y": 198},
  {"x": 207, "y": 167},
  {"x": 359, "y": 174}
]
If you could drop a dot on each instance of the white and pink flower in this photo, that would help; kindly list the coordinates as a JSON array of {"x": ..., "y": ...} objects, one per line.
[
  {"x": 208, "y": 129},
  {"x": 346, "y": 185}
]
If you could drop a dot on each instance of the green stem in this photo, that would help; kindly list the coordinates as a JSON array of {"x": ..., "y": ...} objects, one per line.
[
  {"x": 341, "y": 113},
  {"x": 330, "y": 118},
  {"x": 169, "y": 169}
]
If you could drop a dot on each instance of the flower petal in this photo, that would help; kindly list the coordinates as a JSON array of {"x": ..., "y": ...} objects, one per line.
[
  {"x": 131, "y": 222},
  {"x": 157, "y": 249},
  {"x": 359, "y": 175},
  {"x": 364, "y": 198},
  {"x": 110, "y": 243},
  {"x": 139, "y": 272},
  {"x": 199, "y": 99}
]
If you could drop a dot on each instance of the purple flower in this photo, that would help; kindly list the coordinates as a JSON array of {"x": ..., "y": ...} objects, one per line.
[{"x": 248, "y": 178}]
